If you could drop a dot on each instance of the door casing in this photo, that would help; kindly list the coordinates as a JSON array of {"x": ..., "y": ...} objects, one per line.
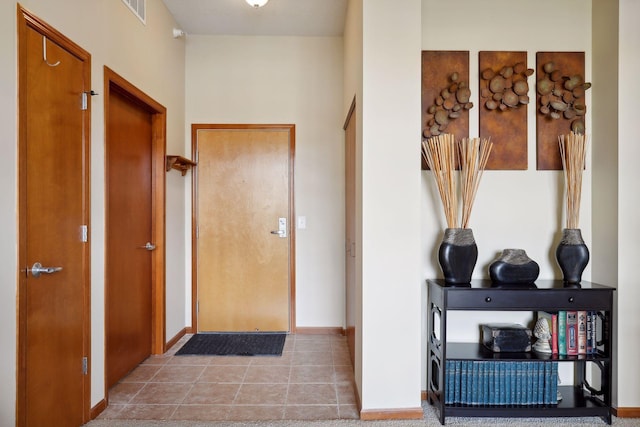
[{"x": 194, "y": 199}]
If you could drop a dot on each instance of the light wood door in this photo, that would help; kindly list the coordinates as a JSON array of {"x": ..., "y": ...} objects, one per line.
[
  {"x": 243, "y": 266},
  {"x": 350, "y": 229},
  {"x": 129, "y": 296},
  {"x": 53, "y": 338}
]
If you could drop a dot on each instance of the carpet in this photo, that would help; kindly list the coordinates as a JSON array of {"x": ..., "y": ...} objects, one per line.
[{"x": 234, "y": 344}]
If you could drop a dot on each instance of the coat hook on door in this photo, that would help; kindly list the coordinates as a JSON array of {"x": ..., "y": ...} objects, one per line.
[{"x": 44, "y": 53}]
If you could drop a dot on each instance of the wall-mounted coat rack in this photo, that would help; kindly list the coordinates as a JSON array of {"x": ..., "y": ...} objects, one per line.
[{"x": 179, "y": 163}]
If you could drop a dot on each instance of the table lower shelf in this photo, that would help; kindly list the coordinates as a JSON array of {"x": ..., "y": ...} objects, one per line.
[{"x": 574, "y": 403}]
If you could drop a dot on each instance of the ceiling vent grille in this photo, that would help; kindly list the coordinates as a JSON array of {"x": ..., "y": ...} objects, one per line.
[{"x": 138, "y": 7}]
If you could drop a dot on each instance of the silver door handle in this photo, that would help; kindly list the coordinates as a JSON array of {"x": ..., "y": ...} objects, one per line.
[
  {"x": 278, "y": 232},
  {"x": 148, "y": 246},
  {"x": 37, "y": 269}
]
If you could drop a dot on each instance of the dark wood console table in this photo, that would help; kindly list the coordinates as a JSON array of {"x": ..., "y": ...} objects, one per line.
[{"x": 580, "y": 399}]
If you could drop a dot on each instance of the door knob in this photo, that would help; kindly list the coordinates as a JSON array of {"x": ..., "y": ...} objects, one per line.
[
  {"x": 282, "y": 228},
  {"x": 148, "y": 246},
  {"x": 37, "y": 269}
]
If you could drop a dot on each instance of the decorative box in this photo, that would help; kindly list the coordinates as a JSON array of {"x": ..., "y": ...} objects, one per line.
[{"x": 506, "y": 337}]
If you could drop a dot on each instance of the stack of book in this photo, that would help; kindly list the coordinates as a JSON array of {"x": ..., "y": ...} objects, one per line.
[
  {"x": 573, "y": 333},
  {"x": 500, "y": 383}
]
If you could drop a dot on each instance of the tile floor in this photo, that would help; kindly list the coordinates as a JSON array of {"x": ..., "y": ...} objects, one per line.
[{"x": 312, "y": 380}]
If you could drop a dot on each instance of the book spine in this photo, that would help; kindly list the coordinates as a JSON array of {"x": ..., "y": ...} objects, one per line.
[
  {"x": 572, "y": 333},
  {"x": 591, "y": 345},
  {"x": 554, "y": 383},
  {"x": 490, "y": 373},
  {"x": 449, "y": 372},
  {"x": 554, "y": 333},
  {"x": 456, "y": 382},
  {"x": 582, "y": 332},
  {"x": 562, "y": 332},
  {"x": 520, "y": 382},
  {"x": 463, "y": 381},
  {"x": 478, "y": 381}
]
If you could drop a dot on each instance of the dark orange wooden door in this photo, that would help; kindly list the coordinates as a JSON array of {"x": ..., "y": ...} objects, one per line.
[
  {"x": 54, "y": 157},
  {"x": 129, "y": 299},
  {"x": 350, "y": 229}
]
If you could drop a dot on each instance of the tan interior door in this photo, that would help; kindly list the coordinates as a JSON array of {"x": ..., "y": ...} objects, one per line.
[
  {"x": 53, "y": 299},
  {"x": 129, "y": 237},
  {"x": 244, "y": 229},
  {"x": 350, "y": 229}
]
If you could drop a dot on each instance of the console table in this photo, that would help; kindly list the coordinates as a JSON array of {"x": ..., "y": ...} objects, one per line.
[{"x": 580, "y": 399}]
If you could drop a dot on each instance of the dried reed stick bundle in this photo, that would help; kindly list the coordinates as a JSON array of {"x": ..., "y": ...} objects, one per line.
[
  {"x": 440, "y": 154},
  {"x": 474, "y": 154},
  {"x": 573, "y": 150}
]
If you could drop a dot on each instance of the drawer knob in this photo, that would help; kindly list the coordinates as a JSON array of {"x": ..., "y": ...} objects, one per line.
[
  {"x": 487, "y": 299},
  {"x": 570, "y": 299}
]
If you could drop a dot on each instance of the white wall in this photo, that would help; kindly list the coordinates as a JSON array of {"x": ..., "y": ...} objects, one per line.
[
  {"x": 390, "y": 205},
  {"x": 8, "y": 200},
  {"x": 235, "y": 79},
  {"x": 513, "y": 209},
  {"x": 148, "y": 57},
  {"x": 628, "y": 220}
]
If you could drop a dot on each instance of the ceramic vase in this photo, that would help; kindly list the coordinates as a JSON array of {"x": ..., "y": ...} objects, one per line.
[
  {"x": 513, "y": 267},
  {"x": 457, "y": 256},
  {"x": 572, "y": 255}
]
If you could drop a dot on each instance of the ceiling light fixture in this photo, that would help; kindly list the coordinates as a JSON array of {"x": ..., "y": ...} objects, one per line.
[{"x": 257, "y": 3}]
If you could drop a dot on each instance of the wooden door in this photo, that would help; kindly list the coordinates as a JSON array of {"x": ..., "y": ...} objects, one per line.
[
  {"x": 53, "y": 337},
  {"x": 243, "y": 264},
  {"x": 350, "y": 228},
  {"x": 129, "y": 235}
]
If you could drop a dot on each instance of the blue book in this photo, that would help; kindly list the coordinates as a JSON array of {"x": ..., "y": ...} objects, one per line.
[
  {"x": 507, "y": 384},
  {"x": 502, "y": 383},
  {"x": 513, "y": 379},
  {"x": 463, "y": 382},
  {"x": 554, "y": 383},
  {"x": 533, "y": 372},
  {"x": 491, "y": 375},
  {"x": 548, "y": 379},
  {"x": 541, "y": 375},
  {"x": 562, "y": 332},
  {"x": 480, "y": 396},
  {"x": 448, "y": 372},
  {"x": 456, "y": 382},
  {"x": 520, "y": 383},
  {"x": 528, "y": 383},
  {"x": 475, "y": 381}
]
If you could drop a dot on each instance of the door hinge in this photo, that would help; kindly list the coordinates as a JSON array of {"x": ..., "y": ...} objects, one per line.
[
  {"x": 85, "y": 366},
  {"x": 84, "y": 99},
  {"x": 197, "y": 307},
  {"x": 84, "y": 234}
]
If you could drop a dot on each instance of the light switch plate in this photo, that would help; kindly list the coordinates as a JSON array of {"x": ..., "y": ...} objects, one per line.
[{"x": 302, "y": 222}]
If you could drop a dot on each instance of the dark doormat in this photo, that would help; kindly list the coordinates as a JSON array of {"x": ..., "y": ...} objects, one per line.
[{"x": 232, "y": 344}]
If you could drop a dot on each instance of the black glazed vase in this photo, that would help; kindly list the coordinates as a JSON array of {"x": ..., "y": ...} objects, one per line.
[
  {"x": 513, "y": 267},
  {"x": 572, "y": 256},
  {"x": 457, "y": 256}
]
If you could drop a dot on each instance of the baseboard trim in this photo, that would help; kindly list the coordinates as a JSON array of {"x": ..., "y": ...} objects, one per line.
[
  {"x": 98, "y": 409},
  {"x": 626, "y": 412},
  {"x": 175, "y": 339},
  {"x": 392, "y": 414},
  {"x": 424, "y": 395},
  {"x": 320, "y": 331}
]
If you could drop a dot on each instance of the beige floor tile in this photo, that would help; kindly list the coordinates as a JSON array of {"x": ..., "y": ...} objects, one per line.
[
  {"x": 178, "y": 373},
  {"x": 349, "y": 412},
  {"x": 312, "y": 358},
  {"x": 202, "y": 412},
  {"x": 162, "y": 393},
  {"x": 262, "y": 394},
  {"x": 223, "y": 374},
  {"x": 142, "y": 373},
  {"x": 212, "y": 393},
  {"x": 267, "y": 374},
  {"x": 123, "y": 392},
  {"x": 284, "y": 360},
  {"x": 112, "y": 411},
  {"x": 312, "y": 374},
  {"x": 230, "y": 360},
  {"x": 190, "y": 360},
  {"x": 312, "y": 394}
]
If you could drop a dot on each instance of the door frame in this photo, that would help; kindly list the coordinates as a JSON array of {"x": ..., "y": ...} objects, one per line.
[
  {"x": 291, "y": 128},
  {"x": 115, "y": 82},
  {"x": 25, "y": 20}
]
